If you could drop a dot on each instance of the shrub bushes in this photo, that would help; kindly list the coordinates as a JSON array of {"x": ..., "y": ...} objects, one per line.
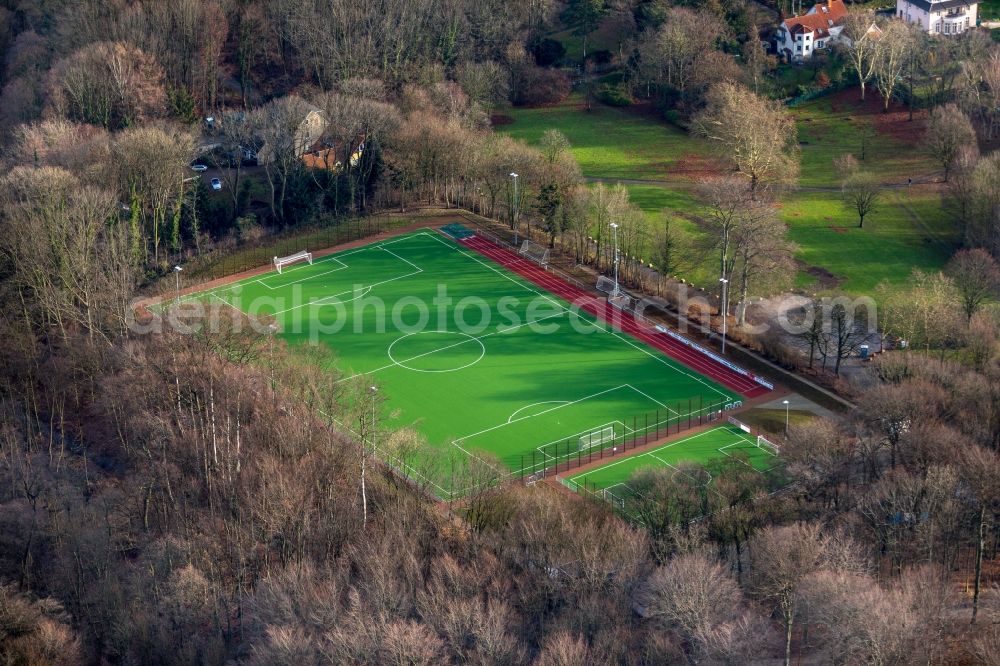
[
  {"x": 614, "y": 95},
  {"x": 543, "y": 86},
  {"x": 548, "y": 52}
]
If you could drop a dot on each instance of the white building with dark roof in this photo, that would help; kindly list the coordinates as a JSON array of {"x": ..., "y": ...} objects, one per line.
[
  {"x": 798, "y": 37},
  {"x": 939, "y": 17}
]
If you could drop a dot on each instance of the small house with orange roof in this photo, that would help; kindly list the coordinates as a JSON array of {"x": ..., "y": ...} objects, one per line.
[{"x": 799, "y": 37}]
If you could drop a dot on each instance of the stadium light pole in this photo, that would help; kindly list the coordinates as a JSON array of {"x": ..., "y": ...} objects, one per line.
[
  {"x": 372, "y": 390},
  {"x": 725, "y": 312},
  {"x": 614, "y": 230},
  {"x": 272, "y": 328},
  {"x": 785, "y": 403},
  {"x": 177, "y": 274},
  {"x": 513, "y": 208}
]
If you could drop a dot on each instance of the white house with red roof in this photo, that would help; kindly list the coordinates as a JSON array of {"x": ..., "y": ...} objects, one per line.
[
  {"x": 939, "y": 17},
  {"x": 798, "y": 37}
]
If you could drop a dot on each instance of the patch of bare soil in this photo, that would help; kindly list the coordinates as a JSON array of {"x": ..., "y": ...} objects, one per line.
[
  {"x": 895, "y": 122},
  {"x": 824, "y": 278},
  {"x": 498, "y": 119},
  {"x": 839, "y": 230},
  {"x": 696, "y": 167}
]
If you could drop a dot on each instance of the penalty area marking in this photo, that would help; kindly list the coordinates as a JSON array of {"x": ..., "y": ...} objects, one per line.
[
  {"x": 626, "y": 431},
  {"x": 510, "y": 418}
]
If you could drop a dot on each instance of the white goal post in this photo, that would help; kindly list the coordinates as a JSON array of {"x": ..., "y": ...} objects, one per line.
[
  {"x": 605, "y": 285},
  {"x": 537, "y": 253},
  {"x": 597, "y": 437},
  {"x": 767, "y": 445},
  {"x": 623, "y": 302},
  {"x": 280, "y": 262}
]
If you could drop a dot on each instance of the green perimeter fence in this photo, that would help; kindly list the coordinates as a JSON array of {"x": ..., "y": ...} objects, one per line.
[
  {"x": 248, "y": 255},
  {"x": 619, "y": 498},
  {"x": 631, "y": 432}
]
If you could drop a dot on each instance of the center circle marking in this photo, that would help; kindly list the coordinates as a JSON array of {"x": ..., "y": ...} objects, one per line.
[{"x": 408, "y": 363}]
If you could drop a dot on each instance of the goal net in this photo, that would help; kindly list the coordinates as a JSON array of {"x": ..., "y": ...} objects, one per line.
[
  {"x": 597, "y": 438},
  {"x": 767, "y": 445},
  {"x": 605, "y": 285},
  {"x": 537, "y": 253},
  {"x": 623, "y": 302},
  {"x": 613, "y": 499},
  {"x": 281, "y": 262}
]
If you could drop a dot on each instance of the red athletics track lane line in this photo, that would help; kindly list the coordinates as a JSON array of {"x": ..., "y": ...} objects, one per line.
[
  {"x": 602, "y": 310},
  {"x": 627, "y": 323}
]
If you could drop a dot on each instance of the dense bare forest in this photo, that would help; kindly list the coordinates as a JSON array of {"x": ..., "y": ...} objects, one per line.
[{"x": 172, "y": 498}]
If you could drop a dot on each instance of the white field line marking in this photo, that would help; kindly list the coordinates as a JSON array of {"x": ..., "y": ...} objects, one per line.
[
  {"x": 675, "y": 366},
  {"x": 227, "y": 303},
  {"x": 545, "y": 411},
  {"x": 510, "y": 278},
  {"x": 582, "y": 434},
  {"x": 678, "y": 470},
  {"x": 608, "y": 328},
  {"x": 628, "y": 458},
  {"x": 369, "y": 287},
  {"x": 679, "y": 417},
  {"x": 384, "y": 456},
  {"x": 500, "y": 331},
  {"x": 308, "y": 277},
  {"x": 419, "y": 269},
  {"x": 749, "y": 443},
  {"x": 242, "y": 283},
  {"x": 473, "y": 455},
  {"x": 723, "y": 451},
  {"x": 534, "y": 404},
  {"x": 649, "y": 397}
]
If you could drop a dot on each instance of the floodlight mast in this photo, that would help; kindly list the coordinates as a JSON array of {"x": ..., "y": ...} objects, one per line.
[
  {"x": 785, "y": 403},
  {"x": 614, "y": 230},
  {"x": 177, "y": 274},
  {"x": 725, "y": 312},
  {"x": 372, "y": 390},
  {"x": 514, "y": 207}
]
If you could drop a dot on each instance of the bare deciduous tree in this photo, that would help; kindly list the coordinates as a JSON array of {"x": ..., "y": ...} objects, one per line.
[
  {"x": 895, "y": 43},
  {"x": 861, "y": 192},
  {"x": 780, "y": 560},
  {"x": 756, "y": 134},
  {"x": 976, "y": 276},
  {"x": 948, "y": 133},
  {"x": 863, "y": 52},
  {"x": 692, "y": 595},
  {"x": 110, "y": 84}
]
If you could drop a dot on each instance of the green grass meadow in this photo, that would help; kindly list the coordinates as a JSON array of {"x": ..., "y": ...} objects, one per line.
[
  {"x": 909, "y": 229},
  {"x": 481, "y": 363}
]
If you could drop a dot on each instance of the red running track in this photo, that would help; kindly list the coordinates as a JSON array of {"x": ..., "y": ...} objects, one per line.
[{"x": 616, "y": 318}]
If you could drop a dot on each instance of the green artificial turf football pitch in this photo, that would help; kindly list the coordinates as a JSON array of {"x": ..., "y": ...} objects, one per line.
[
  {"x": 702, "y": 448},
  {"x": 471, "y": 356}
]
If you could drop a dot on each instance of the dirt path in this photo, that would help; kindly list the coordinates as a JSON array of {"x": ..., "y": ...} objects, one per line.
[{"x": 686, "y": 184}]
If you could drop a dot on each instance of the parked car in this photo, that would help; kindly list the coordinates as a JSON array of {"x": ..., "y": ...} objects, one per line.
[
  {"x": 200, "y": 168},
  {"x": 216, "y": 184}
]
